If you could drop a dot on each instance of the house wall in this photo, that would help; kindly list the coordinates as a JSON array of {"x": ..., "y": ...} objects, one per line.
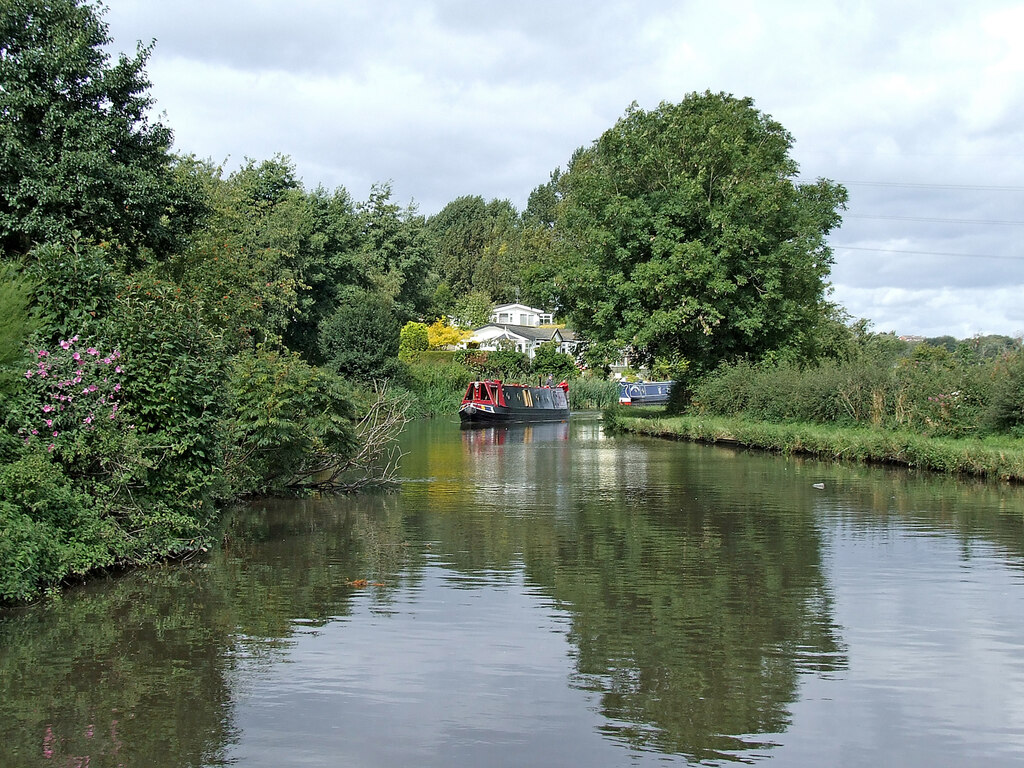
[{"x": 520, "y": 314}]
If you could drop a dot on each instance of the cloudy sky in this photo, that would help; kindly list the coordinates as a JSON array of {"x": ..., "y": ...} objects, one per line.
[{"x": 917, "y": 107}]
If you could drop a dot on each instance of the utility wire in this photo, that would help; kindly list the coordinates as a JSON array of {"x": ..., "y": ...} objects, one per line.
[
  {"x": 922, "y": 218},
  {"x": 930, "y": 253},
  {"x": 916, "y": 185}
]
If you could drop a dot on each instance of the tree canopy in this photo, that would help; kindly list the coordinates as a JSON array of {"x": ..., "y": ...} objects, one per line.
[
  {"x": 77, "y": 149},
  {"x": 683, "y": 235}
]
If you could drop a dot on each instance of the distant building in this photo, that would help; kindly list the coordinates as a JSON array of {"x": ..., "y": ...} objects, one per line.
[
  {"x": 520, "y": 314},
  {"x": 522, "y": 328}
]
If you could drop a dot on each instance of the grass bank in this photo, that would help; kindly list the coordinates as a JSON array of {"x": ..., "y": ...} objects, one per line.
[{"x": 999, "y": 458}]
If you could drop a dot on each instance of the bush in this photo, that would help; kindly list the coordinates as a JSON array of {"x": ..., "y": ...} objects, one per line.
[
  {"x": 413, "y": 338},
  {"x": 548, "y": 360},
  {"x": 51, "y": 529},
  {"x": 501, "y": 364},
  {"x": 1005, "y": 412},
  {"x": 931, "y": 392},
  {"x": 17, "y": 321},
  {"x": 285, "y": 417},
  {"x": 360, "y": 339}
]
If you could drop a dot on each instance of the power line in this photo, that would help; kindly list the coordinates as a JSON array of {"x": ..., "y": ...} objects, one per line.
[
  {"x": 931, "y": 253},
  {"x": 923, "y": 218},
  {"x": 916, "y": 185}
]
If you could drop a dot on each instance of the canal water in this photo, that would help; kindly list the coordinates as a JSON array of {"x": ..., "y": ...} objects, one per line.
[{"x": 552, "y": 596}]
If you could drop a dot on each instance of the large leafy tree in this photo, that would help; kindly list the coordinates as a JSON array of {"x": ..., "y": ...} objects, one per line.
[
  {"x": 394, "y": 252},
  {"x": 685, "y": 236},
  {"x": 479, "y": 247},
  {"x": 77, "y": 149}
]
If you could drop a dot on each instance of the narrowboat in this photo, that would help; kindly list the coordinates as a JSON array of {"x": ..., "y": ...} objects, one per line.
[
  {"x": 496, "y": 402},
  {"x": 644, "y": 392}
]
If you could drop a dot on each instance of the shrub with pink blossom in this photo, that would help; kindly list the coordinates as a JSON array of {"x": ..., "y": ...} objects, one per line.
[{"x": 76, "y": 389}]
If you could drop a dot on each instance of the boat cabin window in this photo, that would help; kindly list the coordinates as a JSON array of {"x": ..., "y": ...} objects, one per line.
[{"x": 479, "y": 391}]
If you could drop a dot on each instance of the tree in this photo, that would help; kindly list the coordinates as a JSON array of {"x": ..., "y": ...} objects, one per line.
[
  {"x": 548, "y": 359},
  {"x": 360, "y": 340},
  {"x": 683, "y": 236},
  {"x": 473, "y": 310},
  {"x": 478, "y": 246},
  {"x": 77, "y": 150},
  {"x": 440, "y": 335},
  {"x": 395, "y": 252}
]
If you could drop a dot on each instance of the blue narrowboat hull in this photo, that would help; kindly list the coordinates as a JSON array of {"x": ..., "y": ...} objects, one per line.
[{"x": 644, "y": 392}]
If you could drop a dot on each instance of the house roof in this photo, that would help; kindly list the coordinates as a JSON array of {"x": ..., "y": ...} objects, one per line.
[
  {"x": 521, "y": 307},
  {"x": 529, "y": 332}
]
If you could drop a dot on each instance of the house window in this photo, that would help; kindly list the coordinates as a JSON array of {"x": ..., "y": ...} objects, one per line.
[
  {"x": 505, "y": 317},
  {"x": 524, "y": 319}
]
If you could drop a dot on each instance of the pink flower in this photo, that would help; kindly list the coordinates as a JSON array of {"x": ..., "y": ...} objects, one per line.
[
  {"x": 117, "y": 387},
  {"x": 76, "y": 357},
  {"x": 50, "y": 447},
  {"x": 47, "y": 408},
  {"x": 65, "y": 344},
  {"x": 93, "y": 351},
  {"x": 42, "y": 353},
  {"x": 92, "y": 387},
  {"x": 49, "y": 422},
  {"x": 88, "y": 420},
  {"x": 117, "y": 369},
  {"x": 28, "y": 374}
]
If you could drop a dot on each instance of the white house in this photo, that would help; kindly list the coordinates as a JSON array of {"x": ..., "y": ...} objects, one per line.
[
  {"x": 522, "y": 338},
  {"x": 520, "y": 314}
]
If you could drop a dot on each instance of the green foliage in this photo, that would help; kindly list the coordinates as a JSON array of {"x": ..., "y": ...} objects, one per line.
[
  {"x": 285, "y": 417},
  {"x": 17, "y": 321},
  {"x": 436, "y": 383},
  {"x": 548, "y": 360},
  {"x": 684, "y": 236},
  {"x": 77, "y": 151},
  {"x": 395, "y": 250},
  {"x": 473, "y": 310},
  {"x": 478, "y": 246},
  {"x": 414, "y": 337},
  {"x": 51, "y": 529},
  {"x": 499, "y": 364},
  {"x": 173, "y": 394},
  {"x": 592, "y": 394},
  {"x": 74, "y": 287},
  {"x": 360, "y": 340},
  {"x": 1005, "y": 411},
  {"x": 931, "y": 391}
]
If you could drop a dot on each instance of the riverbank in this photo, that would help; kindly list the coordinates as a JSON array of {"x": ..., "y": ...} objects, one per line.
[{"x": 1000, "y": 458}]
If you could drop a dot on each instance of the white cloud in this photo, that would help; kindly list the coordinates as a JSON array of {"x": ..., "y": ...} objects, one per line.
[{"x": 451, "y": 97}]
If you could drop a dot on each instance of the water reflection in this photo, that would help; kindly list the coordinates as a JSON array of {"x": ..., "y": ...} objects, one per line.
[
  {"x": 499, "y": 434},
  {"x": 552, "y": 596}
]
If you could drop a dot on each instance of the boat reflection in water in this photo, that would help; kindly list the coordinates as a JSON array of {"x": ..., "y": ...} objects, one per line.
[{"x": 500, "y": 434}]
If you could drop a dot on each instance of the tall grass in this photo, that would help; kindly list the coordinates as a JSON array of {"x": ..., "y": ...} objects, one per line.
[
  {"x": 588, "y": 394},
  {"x": 932, "y": 394}
]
